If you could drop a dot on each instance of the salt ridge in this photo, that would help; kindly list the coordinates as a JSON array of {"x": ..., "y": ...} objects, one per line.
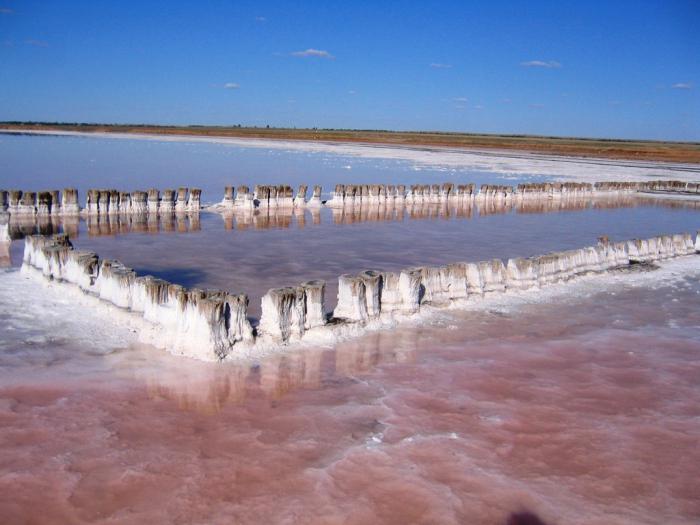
[{"x": 213, "y": 325}]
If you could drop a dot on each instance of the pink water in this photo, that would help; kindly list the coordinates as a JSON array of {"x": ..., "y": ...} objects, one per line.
[
  {"x": 583, "y": 411},
  {"x": 580, "y": 408}
]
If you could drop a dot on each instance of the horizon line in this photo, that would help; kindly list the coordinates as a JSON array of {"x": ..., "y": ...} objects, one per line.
[{"x": 351, "y": 130}]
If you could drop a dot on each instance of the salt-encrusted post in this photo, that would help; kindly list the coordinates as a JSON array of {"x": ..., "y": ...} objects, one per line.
[
  {"x": 493, "y": 275},
  {"x": 401, "y": 192},
  {"x": 521, "y": 273},
  {"x": 181, "y": 204},
  {"x": 55, "y": 202},
  {"x": 194, "y": 202},
  {"x": 300, "y": 199},
  {"x": 315, "y": 200},
  {"x": 43, "y": 203},
  {"x": 92, "y": 202},
  {"x": 285, "y": 196},
  {"x": 139, "y": 202},
  {"x": 373, "y": 287},
  {"x": 281, "y": 316},
  {"x": 229, "y": 197},
  {"x": 125, "y": 202},
  {"x": 410, "y": 289},
  {"x": 167, "y": 202},
  {"x": 114, "y": 203},
  {"x": 153, "y": 200},
  {"x": 352, "y": 302},
  {"x": 69, "y": 202},
  {"x": 244, "y": 199},
  {"x": 103, "y": 202},
  {"x": 261, "y": 195},
  {"x": 27, "y": 205},
  {"x": 5, "y": 232},
  {"x": 338, "y": 196},
  {"x": 314, "y": 292}
]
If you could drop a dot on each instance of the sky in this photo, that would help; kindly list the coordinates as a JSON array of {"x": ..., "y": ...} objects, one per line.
[{"x": 623, "y": 69}]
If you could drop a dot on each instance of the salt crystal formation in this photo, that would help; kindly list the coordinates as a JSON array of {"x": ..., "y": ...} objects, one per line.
[
  {"x": 315, "y": 200},
  {"x": 228, "y": 201},
  {"x": 354, "y": 195},
  {"x": 111, "y": 201},
  {"x": 69, "y": 202},
  {"x": 212, "y": 325},
  {"x": 181, "y": 204},
  {"x": 273, "y": 196},
  {"x": 99, "y": 202},
  {"x": 244, "y": 199},
  {"x": 207, "y": 325},
  {"x": 300, "y": 199},
  {"x": 5, "y": 233}
]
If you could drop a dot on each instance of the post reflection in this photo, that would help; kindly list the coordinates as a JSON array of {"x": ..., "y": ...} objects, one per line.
[
  {"x": 209, "y": 387},
  {"x": 102, "y": 225},
  {"x": 5, "y": 261},
  {"x": 276, "y": 218},
  {"x": 282, "y": 218}
]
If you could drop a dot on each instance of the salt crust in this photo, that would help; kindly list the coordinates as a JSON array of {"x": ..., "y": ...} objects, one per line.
[
  {"x": 213, "y": 326},
  {"x": 582, "y": 169}
]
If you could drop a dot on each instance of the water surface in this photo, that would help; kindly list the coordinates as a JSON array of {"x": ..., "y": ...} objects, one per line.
[
  {"x": 579, "y": 406},
  {"x": 582, "y": 410}
]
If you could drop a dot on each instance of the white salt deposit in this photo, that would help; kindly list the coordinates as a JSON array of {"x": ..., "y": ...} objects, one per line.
[
  {"x": 493, "y": 161},
  {"x": 213, "y": 325},
  {"x": 5, "y": 232}
]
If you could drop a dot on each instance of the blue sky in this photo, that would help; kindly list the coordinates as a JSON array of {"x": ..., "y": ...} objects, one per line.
[{"x": 602, "y": 69}]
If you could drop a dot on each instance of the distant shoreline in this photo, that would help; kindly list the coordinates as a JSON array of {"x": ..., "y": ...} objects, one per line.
[
  {"x": 508, "y": 163},
  {"x": 638, "y": 150}
]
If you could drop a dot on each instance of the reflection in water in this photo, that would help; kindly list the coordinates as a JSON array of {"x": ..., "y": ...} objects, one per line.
[
  {"x": 274, "y": 218},
  {"x": 489, "y": 418},
  {"x": 5, "y": 261},
  {"x": 281, "y": 218},
  {"x": 283, "y": 373},
  {"x": 22, "y": 225},
  {"x": 208, "y": 388},
  {"x": 580, "y": 411},
  {"x": 374, "y": 349},
  {"x": 198, "y": 389},
  {"x": 271, "y": 249},
  {"x": 103, "y": 225},
  {"x": 98, "y": 225}
]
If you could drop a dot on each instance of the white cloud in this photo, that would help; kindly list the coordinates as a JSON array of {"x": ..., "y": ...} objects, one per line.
[
  {"x": 537, "y": 106},
  {"x": 6, "y": 11},
  {"x": 260, "y": 19},
  {"x": 478, "y": 106},
  {"x": 438, "y": 65},
  {"x": 551, "y": 64},
  {"x": 311, "y": 52},
  {"x": 460, "y": 99},
  {"x": 352, "y": 92},
  {"x": 232, "y": 85},
  {"x": 682, "y": 85}
]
